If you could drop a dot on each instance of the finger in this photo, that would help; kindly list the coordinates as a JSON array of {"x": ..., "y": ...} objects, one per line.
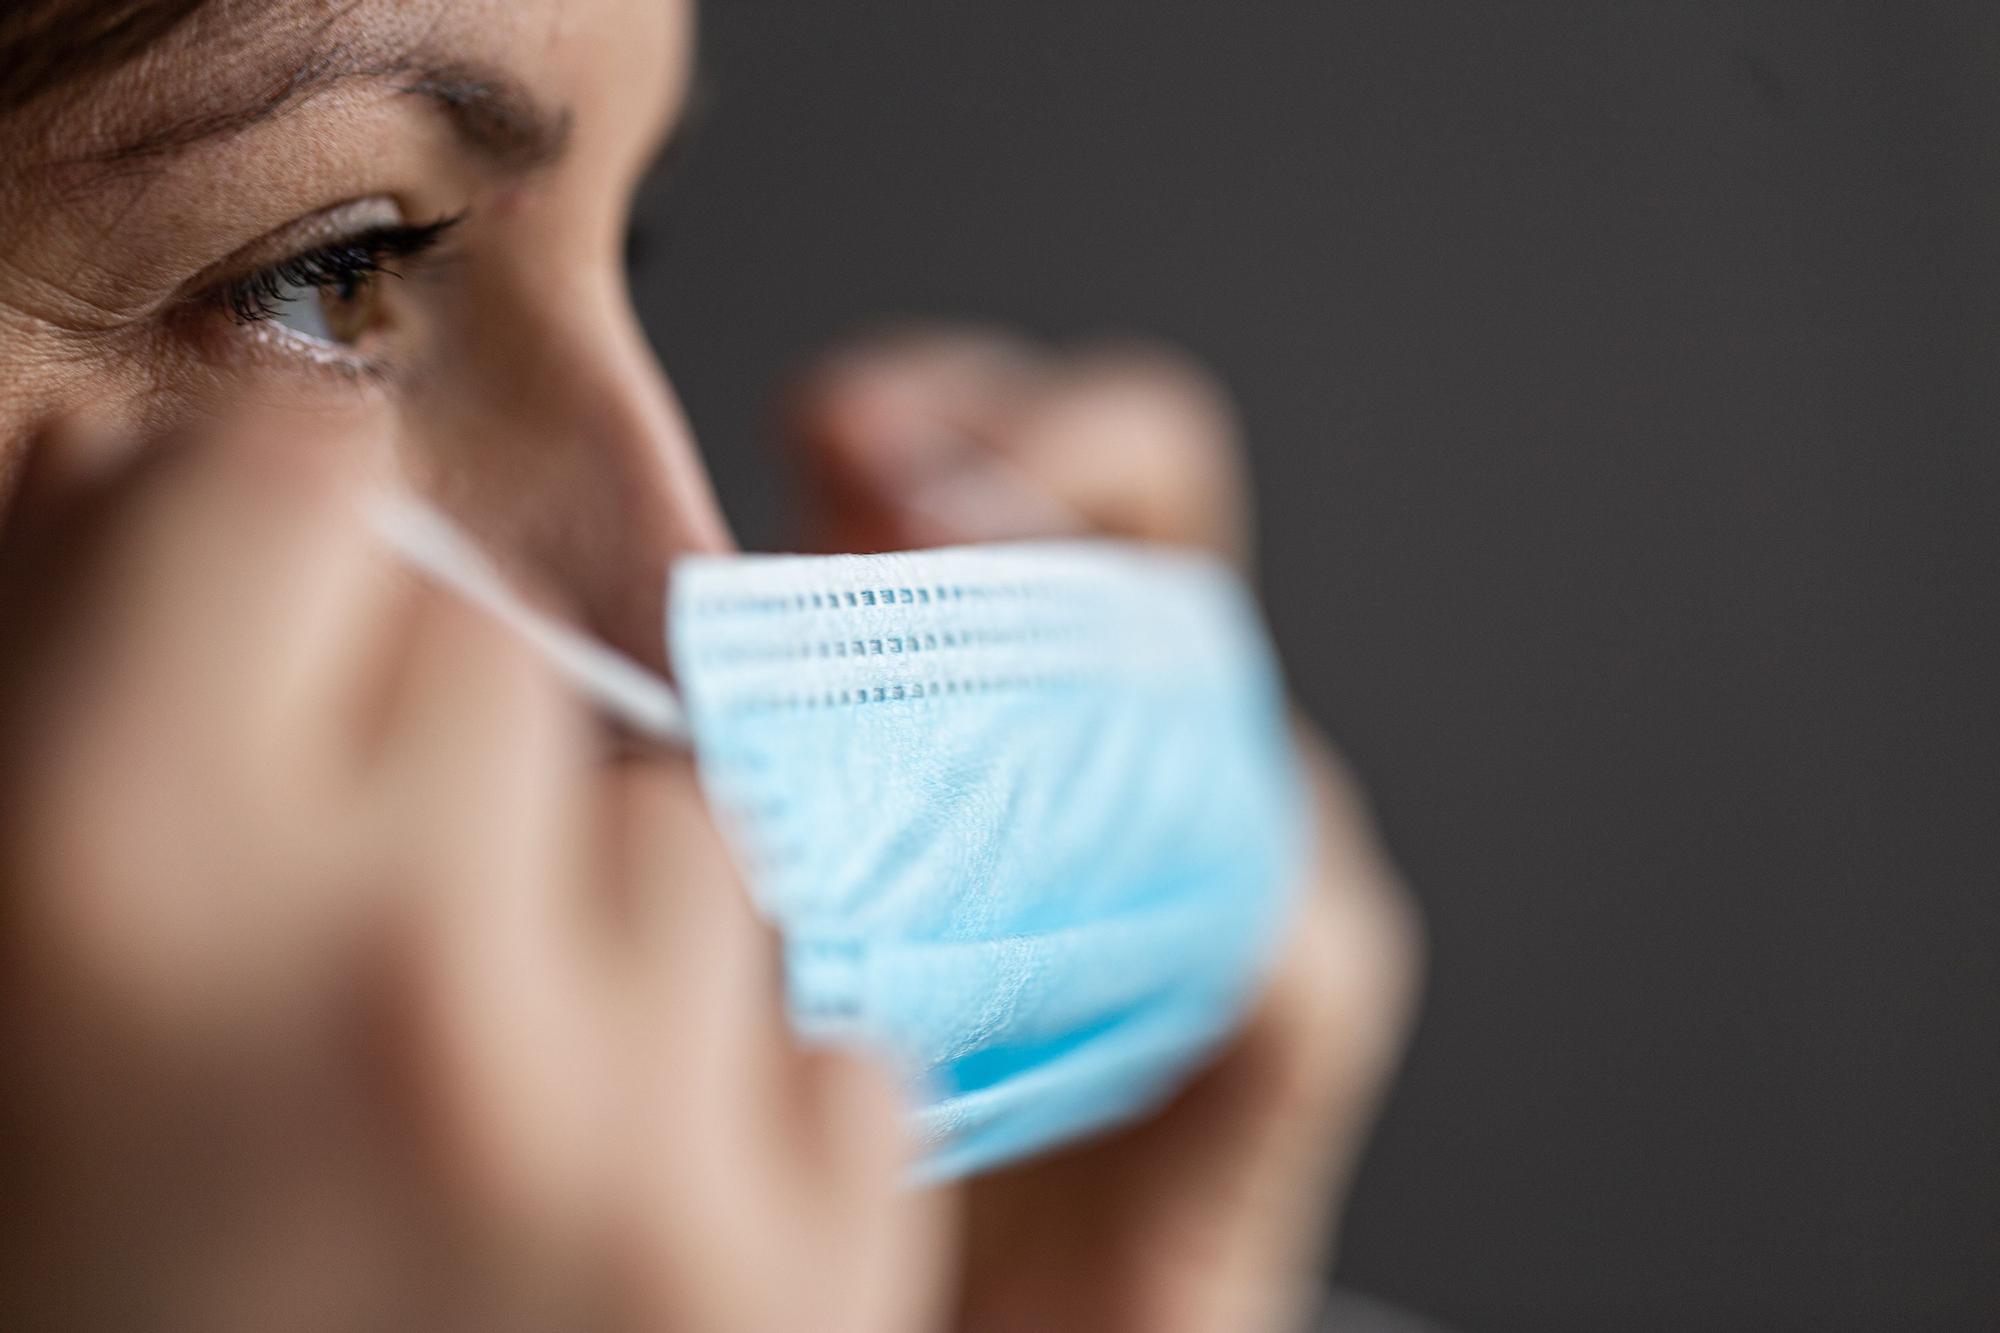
[
  {"x": 1353, "y": 983},
  {"x": 874, "y": 402},
  {"x": 711, "y": 988},
  {"x": 1143, "y": 443},
  {"x": 483, "y": 755},
  {"x": 933, "y": 438},
  {"x": 806, "y": 1148},
  {"x": 671, "y": 881},
  {"x": 215, "y": 597},
  {"x": 140, "y": 708},
  {"x": 890, "y": 1244},
  {"x": 61, "y": 466},
  {"x": 699, "y": 965},
  {"x": 1279, "y": 1121},
  {"x": 51, "y": 506},
  {"x": 849, "y": 1129},
  {"x": 477, "y": 794},
  {"x": 884, "y": 413}
]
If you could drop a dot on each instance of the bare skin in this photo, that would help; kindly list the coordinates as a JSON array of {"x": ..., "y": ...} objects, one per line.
[{"x": 339, "y": 990}]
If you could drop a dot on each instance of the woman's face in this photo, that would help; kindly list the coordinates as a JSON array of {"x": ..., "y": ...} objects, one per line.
[
  {"x": 403, "y": 219},
  {"x": 401, "y": 225}
]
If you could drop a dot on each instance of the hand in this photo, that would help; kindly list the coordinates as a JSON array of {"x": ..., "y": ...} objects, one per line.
[
  {"x": 344, "y": 984},
  {"x": 1214, "y": 1214}
]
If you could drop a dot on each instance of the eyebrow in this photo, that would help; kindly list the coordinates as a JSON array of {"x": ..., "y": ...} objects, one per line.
[
  {"x": 492, "y": 113},
  {"x": 495, "y": 116}
]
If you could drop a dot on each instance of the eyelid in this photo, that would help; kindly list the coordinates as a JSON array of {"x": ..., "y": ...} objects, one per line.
[
  {"x": 206, "y": 317},
  {"x": 366, "y": 254},
  {"x": 326, "y": 227}
]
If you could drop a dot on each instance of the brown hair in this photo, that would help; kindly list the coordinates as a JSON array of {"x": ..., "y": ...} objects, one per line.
[{"x": 47, "y": 43}]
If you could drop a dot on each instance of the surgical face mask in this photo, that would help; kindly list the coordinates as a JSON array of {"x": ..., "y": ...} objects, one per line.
[{"x": 1025, "y": 817}]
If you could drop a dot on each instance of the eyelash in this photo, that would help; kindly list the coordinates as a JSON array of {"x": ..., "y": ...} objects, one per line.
[{"x": 342, "y": 266}]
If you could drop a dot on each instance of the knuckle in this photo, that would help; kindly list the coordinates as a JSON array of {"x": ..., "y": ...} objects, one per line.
[
  {"x": 1162, "y": 401},
  {"x": 1347, "y": 994},
  {"x": 1161, "y": 375},
  {"x": 927, "y": 342},
  {"x": 941, "y": 354}
]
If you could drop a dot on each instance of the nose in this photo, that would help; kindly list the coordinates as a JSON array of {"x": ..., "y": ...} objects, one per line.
[{"x": 580, "y": 471}]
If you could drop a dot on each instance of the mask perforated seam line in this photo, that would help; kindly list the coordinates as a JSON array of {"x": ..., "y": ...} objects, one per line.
[
  {"x": 887, "y": 644},
  {"x": 902, "y": 692},
  {"x": 894, "y": 595}
]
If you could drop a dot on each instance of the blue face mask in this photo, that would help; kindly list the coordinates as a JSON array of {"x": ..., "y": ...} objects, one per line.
[{"x": 1025, "y": 816}]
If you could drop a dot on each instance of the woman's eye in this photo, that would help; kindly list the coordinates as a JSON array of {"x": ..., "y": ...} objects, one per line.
[
  {"x": 338, "y": 313},
  {"x": 333, "y": 295}
]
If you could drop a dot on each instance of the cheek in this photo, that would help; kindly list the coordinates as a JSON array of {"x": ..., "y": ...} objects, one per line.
[
  {"x": 52, "y": 385},
  {"x": 140, "y": 391},
  {"x": 46, "y": 374}
]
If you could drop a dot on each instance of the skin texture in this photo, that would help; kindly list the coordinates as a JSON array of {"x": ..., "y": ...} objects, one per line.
[{"x": 337, "y": 988}]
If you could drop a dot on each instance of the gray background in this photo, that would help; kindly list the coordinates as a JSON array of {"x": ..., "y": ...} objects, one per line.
[{"x": 1620, "y": 379}]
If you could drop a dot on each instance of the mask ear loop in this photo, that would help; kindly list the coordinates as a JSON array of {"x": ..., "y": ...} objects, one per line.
[
  {"x": 425, "y": 539},
  {"x": 435, "y": 546}
]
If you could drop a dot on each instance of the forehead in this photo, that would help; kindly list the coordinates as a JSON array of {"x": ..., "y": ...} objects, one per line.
[
  {"x": 241, "y": 33},
  {"x": 237, "y": 59}
]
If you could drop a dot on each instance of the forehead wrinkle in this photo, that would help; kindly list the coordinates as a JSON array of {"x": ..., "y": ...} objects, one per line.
[
  {"x": 492, "y": 114},
  {"x": 297, "y": 52},
  {"x": 256, "y": 59}
]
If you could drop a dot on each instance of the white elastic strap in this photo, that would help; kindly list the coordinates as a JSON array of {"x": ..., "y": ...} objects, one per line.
[{"x": 432, "y": 543}]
